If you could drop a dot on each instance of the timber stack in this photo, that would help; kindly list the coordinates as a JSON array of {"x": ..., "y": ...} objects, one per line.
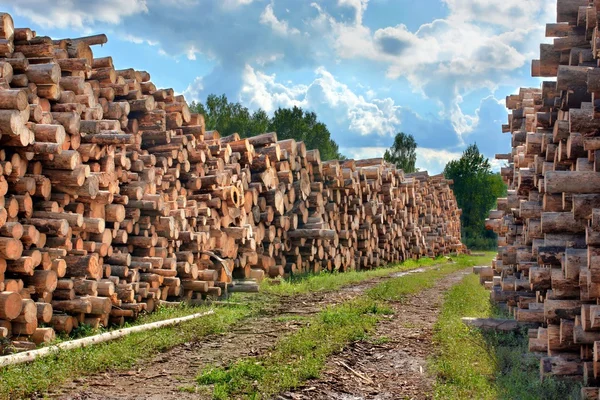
[
  {"x": 548, "y": 266},
  {"x": 115, "y": 199}
]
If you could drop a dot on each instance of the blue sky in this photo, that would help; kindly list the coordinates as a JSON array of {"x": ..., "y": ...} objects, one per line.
[{"x": 437, "y": 69}]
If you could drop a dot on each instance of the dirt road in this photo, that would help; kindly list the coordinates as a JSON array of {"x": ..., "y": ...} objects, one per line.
[{"x": 391, "y": 365}]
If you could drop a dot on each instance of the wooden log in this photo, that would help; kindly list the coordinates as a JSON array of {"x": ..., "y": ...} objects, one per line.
[{"x": 104, "y": 337}]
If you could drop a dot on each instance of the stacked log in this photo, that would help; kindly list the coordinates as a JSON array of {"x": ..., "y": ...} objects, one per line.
[
  {"x": 115, "y": 199},
  {"x": 548, "y": 225}
]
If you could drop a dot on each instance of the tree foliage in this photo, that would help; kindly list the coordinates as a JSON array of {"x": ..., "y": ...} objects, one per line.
[
  {"x": 294, "y": 123},
  {"x": 403, "y": 152},
  {"x": 289, "y": 123},
  {"x": 228, "y": 118},
  {"x": 476, "y": 188}
]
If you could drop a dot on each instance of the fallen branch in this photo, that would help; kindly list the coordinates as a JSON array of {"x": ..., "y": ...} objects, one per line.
[{"x": 360, "y": 375}]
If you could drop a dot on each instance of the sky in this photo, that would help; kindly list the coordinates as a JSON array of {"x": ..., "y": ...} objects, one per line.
[{"x": 437, "y": 69}]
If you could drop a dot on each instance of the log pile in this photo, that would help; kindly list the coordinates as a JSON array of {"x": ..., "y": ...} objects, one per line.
[
  {"x": 114, "y": 198},
  {"x": 548, "y": 266}
]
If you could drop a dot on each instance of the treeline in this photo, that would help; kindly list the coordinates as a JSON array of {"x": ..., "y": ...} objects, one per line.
[
  {"x": 290, "y": 123},
  {"x": 476, "y": 187}
]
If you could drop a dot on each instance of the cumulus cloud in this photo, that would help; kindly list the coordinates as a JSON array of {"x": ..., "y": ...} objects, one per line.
[
  {"x": 479, "y": 45},
  {"x": 359, "y": 6},
  {"x": 506, "y": 13},
  {"x": 434, "y": 160},
  {"x": 260, "y": 90},
  {"x": 76, "y": 13},
  {"x": 280, "y": 27},
  {"x": 191, "y": 52},
  {"x": 333, "y": 99}
]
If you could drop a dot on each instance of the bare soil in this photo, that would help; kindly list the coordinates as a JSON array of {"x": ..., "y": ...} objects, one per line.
[{"x": 392, "y": 365}]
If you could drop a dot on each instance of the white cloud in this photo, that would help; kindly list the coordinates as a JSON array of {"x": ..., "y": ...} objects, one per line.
[
  {"x": 76, "y": 13},
  {"x": 478, "y": 46},
  {"x": 360, "y": 6},
  {"x": 268, "y": 59},
  {"x": 191, "y": 52},
  {"x": 507, "y": 13},
  {"x": 260, "y": 90},
  {"x": 137, "y": 40},
  {"x": 359, "y": 115},
  {"x": 236, "y": 3},
  {"x": 497, "y": 164},
  {"x": 194, "y": 90},
  {"x": 279, "y": 26},
  {"x": 361, "y": 153},
  {"x": 434, "y": 160}
]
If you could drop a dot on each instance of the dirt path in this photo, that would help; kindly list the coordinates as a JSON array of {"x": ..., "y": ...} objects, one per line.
[
  {"x": 393, "y": 363},
  {"x": 169, "y": 373}
]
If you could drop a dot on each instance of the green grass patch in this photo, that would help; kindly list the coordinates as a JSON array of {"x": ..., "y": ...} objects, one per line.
[
  {"x": 327, "y": 281},
  {"x": 298, "y": 357},
  {"x": 474, "y": 364},
  {"x": 302, "y": 355},
  {"x": 397, "y": 289},
  {"x": 24, "y": 380},
  {"x": 380, "y": 340},
  {"x": 292, "y": 318}
]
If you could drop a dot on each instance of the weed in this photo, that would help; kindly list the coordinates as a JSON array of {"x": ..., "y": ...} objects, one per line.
[
  {"x": 380, "y": 340},
  {"x": 291, "y": 318},
  {"x": 187, "y": 389},
  {"x": 82, "y": 330}
]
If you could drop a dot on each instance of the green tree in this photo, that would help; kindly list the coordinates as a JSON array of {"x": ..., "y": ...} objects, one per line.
[
  {"x": 295, "y": 123},
  {"x": 289, "y": 123},
  {"x": 476, "y": 188},
  {"x": 403, "y": 152},
  {"x": 229, "y": 118}
]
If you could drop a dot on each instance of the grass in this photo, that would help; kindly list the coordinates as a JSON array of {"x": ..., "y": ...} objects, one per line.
[
  {"x": 20, "y": 381},
  {"x": 302, "y": 355},
  {"x": 332, "y": 281},
  {"x": 485, "y": 365},
  {"x": 298, "y": 357},
  {"x": 397, "y": 289},
  {"x": 39, "y": 376}
]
